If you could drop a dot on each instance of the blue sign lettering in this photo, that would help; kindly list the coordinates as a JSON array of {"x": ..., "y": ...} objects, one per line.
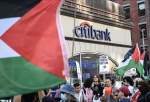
[{"x": 90, "y": 33}]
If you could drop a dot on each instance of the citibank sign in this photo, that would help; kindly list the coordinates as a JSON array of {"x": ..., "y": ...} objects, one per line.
[{"x": 87, "y": 31}]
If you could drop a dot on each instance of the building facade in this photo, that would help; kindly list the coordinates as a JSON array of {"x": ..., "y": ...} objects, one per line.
[
  {"x": 138, "y": 13},
  {"x": 95, "y": 26}
]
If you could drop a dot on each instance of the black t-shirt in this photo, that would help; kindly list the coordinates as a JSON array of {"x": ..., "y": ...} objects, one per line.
[{"x": 98, "y": 89}]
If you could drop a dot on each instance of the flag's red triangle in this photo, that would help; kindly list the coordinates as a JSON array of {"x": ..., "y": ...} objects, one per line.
[
  {"x": 36, "y": 37},
  {"x": 142, "y": 55},
  {"x": 136, "y": 54}
]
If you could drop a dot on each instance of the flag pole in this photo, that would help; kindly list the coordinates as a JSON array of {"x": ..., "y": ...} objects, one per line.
[
  {"x": 81, "y": 69},
  {"x": 143, "y": 42},
  {"x": 80, "y": 76},
  {"x": 139, "y": 58},
  {"x": 73, "y": 42}
]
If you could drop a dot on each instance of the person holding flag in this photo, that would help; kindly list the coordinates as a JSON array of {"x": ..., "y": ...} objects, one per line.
[
  {"x": 32, "y": 48},
  {"x": 131, "y": 64}
]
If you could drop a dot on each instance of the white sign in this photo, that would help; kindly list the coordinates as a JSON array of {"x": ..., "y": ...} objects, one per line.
[{"x": 103, "y": 64}]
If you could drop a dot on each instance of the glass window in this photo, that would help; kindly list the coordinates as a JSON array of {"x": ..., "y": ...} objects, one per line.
[
  {"x": 143, "y": 30},
  {"x": 145, "y": 48},
  {"x": 89, "y": 2},
  {"x": 127, "y": 11},
  {"x": 141, "y": 9}
]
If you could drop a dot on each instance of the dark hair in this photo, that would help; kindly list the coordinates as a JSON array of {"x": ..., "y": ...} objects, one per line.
[
  {"x": 48, "y": 99},
  {"x": 87, "y": 83},
  {"x": 144, "y": 87},
  {"x": 30, "y": 97},
  {"x": 76, "y": 84},
  {"x": 129, "y": 80},
  {"x": 96, "y": 76},
  {"x": 113, "y": 81}
]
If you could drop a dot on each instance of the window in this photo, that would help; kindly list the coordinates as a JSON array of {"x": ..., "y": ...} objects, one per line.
[
  {"x": 141, "y": 9},
  {"x": 143, "y": 30},
  {"x": 126, "y": 11},
  {"x": 145, "y": 48}
]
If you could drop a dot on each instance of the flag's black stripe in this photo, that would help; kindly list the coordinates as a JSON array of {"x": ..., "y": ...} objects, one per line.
[
  {"x": 128, "y": 54},
  {"x": 16, "y": 8}
]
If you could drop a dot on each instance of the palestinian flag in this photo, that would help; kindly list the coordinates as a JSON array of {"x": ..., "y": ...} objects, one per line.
[
  {"x": 142, "y": 58},
  {"x": 32, "y": 55},
  {"x": 133, "y": 62}
]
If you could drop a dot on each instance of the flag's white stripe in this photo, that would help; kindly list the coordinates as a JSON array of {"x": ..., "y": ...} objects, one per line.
[
  {"x": 5, "y": 50},
  {"x": 122, "y": 64},
  {"x": 142, "y": 62},
  {"x": 62, "y": 42},
  {"x": 6, "y": 23}
]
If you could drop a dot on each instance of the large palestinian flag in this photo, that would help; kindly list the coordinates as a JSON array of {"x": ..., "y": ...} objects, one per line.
[
  {"x": 131, "y": 64},
  {"x": 32, "y": 55}
]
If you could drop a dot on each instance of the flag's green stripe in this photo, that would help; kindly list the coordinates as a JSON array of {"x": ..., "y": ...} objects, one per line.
[
  {"x": 132, "y": 64},
  {"x": 19, "y": 76}
]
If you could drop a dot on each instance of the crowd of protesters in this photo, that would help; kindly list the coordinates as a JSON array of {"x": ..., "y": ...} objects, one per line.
[{"x": 96, "y": 90}]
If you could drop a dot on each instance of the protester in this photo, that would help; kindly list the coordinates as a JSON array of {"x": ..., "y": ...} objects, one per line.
[
  {"x": 77, "y": 87},
  {"x": 115, "y": 97},
  {"x": 31, "y": 97},
  {"x": 123, "y": 94},
  {"x": 97, "y": 87},
  {"x": 145, "y": 92},
  {"x": 48, "y": 97},
  {"x": 67, "y": 93},
  {"x": 108, "y": 90},
  {"x": 57, "y": 95},
  {"x": 137, "y": 92},
  {"x": 135, "y": 97},
  {"x": 115, "y": 89},
  {"x": 87, "y": 91},
  {"x": 127, "y": 81}
]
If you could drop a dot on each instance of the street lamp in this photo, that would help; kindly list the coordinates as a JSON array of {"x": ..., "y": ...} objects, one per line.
[{"x": 143, "y": 42}]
